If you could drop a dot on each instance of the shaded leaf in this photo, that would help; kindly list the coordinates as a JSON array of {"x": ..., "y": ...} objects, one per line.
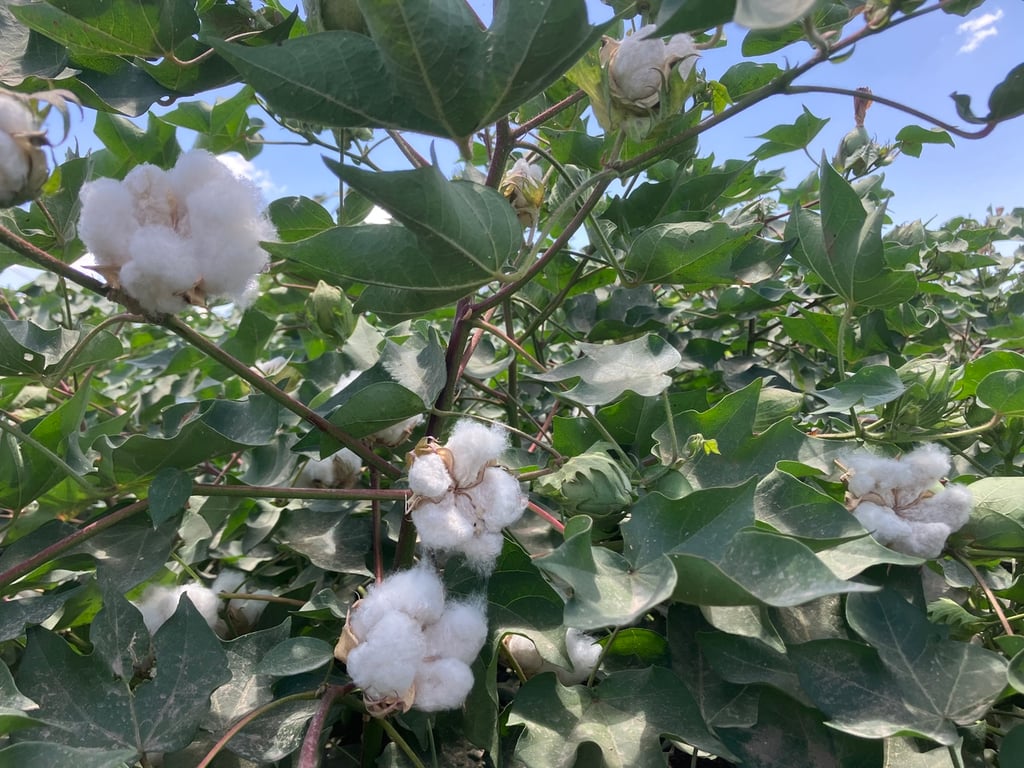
[
  {"x": 168, "y": 494},
  {"x": 1003, "y": 392},
  {"x": 27, "y": 753},
  {"x": 693, "y": 253},
  {"x": 294, "y": 656}
]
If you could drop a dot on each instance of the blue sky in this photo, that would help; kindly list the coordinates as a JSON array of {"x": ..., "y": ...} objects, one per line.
[{"x": 919, "y": 63}]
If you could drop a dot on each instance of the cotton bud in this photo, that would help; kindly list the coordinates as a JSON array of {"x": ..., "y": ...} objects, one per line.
[
  {"x": 640, "y": 67},
  {"x": 23, "y": 166},
  {"x": 591, "y": 484},
  {"x": 331, "y": 311},
  {"x": 523, "y": 186}
]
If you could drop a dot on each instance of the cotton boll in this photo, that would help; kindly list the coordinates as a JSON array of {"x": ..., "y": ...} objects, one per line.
[
  {"x": 156, "y": 604},
  {"x": 154, "y": 201},
  {"x": 884, "y": 524},
  {"x": 103, "y": 225},
  {"x": 926, "y": 466},
  {"x": 474, "y": 445},
  {"x": 417, "y": 592},
  {"x": 500, "y": 498},
  {"x": 442, "y": 684},
  {"x": 397, "y": 433},
  {"x": 441, "y": 525},
  {"x": 386, "y": 662},
  {"x": 15, "y": 116},
  {"x": 429, "y": 477},
  {"x": 868, "y": 473},
  {"x": 524, "y": 652},
  {"x": 14, "y": 166},
  {"x": 925, "y": 540},
  {"x": 228, "y": 580},
  {"x": 248, "y": 612},
  {"x": 318, "y": 473},
  {"x": 459, "y": 633},
  {"x": 584, "y": 653},
  {"x": 194, "y": 170},
  {"x": 207, "y": 603},
  {"x": 161, "y": 269},
  {"x": 951, "y": 506},
  {"x": 482, "y": 551}
]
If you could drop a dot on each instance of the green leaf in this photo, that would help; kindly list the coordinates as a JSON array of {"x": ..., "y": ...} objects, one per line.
[
  {"x": 843, "y": 246},
  {"x": 10, "y": 697},
  {"x": 789, "y": 138},
  {"x": 976, "y": 370},
  {"x": 168, "y": 494},
  {"x": 870, "y": 386},
  {"x": 195, "y": 432},
  {"x": 295, "y": 656},
  {"x": 131, "y": 551},
  {"x": 332, "y": 536},
  {"x": 740, "y": 79},
  {"x": 119, "y": 636},
  {"x": 719, "y": 557},
  {"x": 605, "y": 371},
  {"x": 296, "y": 218},
  {"x": 624, "y": 717},
  {"x": 799, "y": 510},
  {"x": 676, "y": 16},
  {"x": 158, "y": 144},
  {"x": 693, "y": 254},
  {"x": 27, "y": 348},
  {"x": 1003, "y": 392},
  {"x": 437, "y": 212},
  {"x": 911, "y": 138},
  {"x": 24, "y": 53},
  {"x": 1005, "y": 102},
  {"x": 40, "y": 753},
  {"x": 746, "y": 660},
  {"x": 427, "y": 66},
  {"x": 997, "y": 519},
  {"x": 136, "y": 29},
  {"x": 606, "y": 589},
  {"x": 919, "y": 681}
]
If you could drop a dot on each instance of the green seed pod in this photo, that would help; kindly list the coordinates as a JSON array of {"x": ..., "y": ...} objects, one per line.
[
  {"x": 591, "y": 484},
  {"x": 332, "y": 311}
]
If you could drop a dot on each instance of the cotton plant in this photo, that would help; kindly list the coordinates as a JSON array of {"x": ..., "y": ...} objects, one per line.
[
  {"x": 407, "y": 646},
  {"x": 461, "y": 498},
  {"x": 903, "y": 502},
  {"x": 176, "y": 238}
]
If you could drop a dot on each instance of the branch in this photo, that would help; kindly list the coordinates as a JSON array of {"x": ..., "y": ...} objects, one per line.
[
  {"x": 979, "y": 134},
  {"x": 309, "y": 755}
]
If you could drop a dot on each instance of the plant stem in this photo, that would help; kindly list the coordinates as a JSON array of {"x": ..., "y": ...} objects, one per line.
[
  {"x": 309, "y": 754},
  {"x": 547, "y": 114},
  {"x": 553, "y": 521},
  {"x": 989, "y": 595},
  {"x": 396, "y": 737},
  {"x": 47, "y": 262},
  {"x": 28, "y": 565},
  {"x": 274, "y": 492}
]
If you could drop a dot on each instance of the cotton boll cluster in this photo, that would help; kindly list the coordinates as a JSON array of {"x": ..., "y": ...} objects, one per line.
[
  {"x": 340, "y": 470},
  {"x": 903, "y": 502},
  {"x": 406, "y": 646},
  {"x": 178, "y": 237},
  {"x": 158, "y": 603},
  {"x": 583, "y": 651},
  {"x": 462, "y": 500},
  {"x": 640, "y": 65},
  {"x": 22, "y": 161}
]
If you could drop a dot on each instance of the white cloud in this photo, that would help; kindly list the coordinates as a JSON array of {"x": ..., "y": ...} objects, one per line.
[
  {"x": 978, "y": 29},
  {"x": 242, "y": 168}
]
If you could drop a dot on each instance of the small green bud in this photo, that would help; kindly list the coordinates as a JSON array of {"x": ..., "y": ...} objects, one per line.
[{"x": 331, "y": 311}]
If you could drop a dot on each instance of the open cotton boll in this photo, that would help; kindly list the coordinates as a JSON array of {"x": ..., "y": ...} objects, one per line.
[
  {"x": 385, "y": 663},
  {"x": 161, "y": 269},
  {"x": 952, "y": 506},
  {"x": 249, "y": 611},
  {"x": 441, "y": 525},
  {"x": 500, "y": 498},
  {"x": 925, "y": 540},
  {"x": 482, "y": 550},
  {"x": 927, "y": 465},
  {"x": 442, "y": 684},
  {"x": 14, "y": 166},
  {"x": 584, "y": 652},
  {"x": 102, "y": 226},
  {"x": 886, "y": 526},
  {"x": 158, "y": 603},
  {"x": 397, "y": 433},
  {"x": 459, "y": 633},
  {"x": 473, "y": 446},
  {"x": 429, "y": 477},
  {"x": 417, "y": 592}
]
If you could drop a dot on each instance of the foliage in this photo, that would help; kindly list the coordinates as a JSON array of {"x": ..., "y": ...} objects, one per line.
[{"x": 685, "y": 354}]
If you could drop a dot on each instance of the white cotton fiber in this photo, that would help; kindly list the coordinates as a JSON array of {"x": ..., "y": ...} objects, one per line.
[
  {"x": 459, "y": 633},
  {"x": 442, "y": 684},
  {"x": 385, "y": 663},
  {"x": 474, "y": 445},
  {"x": 429, "y": 477}
]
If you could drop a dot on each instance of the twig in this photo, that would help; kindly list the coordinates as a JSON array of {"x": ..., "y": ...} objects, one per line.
[
  {"x": 989, "y": 595},
  {"x": 309, "y": 754}
]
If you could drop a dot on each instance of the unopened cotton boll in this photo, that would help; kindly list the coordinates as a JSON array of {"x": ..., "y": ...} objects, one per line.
[
  {"x": 639, "y": 66},
  {"x": 442, "y": 684},
  {"x": 473, "y": 446},
  {"x": 459, "y": 633},
  {"x": 429, "y": 477}
]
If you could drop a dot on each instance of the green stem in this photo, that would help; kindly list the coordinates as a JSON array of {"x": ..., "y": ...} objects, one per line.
[
  {"x": 396, "y": 737},
  {"x": 123, "y": 317},
  {"x": 28, "y": 565},
  {"x": 274, "y": 492},
  {"x": 24, "y": 437},
  {"x": 989, "y": 594}
]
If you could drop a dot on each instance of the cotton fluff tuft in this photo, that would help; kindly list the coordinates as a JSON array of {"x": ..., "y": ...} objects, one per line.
[
  {"x": 340, "y": 470},
  {"x": 903, "y": 503},
  {"x": 158, "y": 603},
  {"x": 462, "y": 500},
  {"x": 171, "y": 238},
  {"x": 405, "y": 646},
  {"x": 22, "y": 162}
]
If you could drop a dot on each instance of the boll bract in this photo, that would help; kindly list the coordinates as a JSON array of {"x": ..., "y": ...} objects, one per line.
[
  {"x": 639, "y": 67},
  {"x": 903, "y": 503},
  {"x": 461, "y": 499},
  {"x": 178, "y": 237},
  {"x": 22, "y": 161},
  {"x": 406, "y": 646}
]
